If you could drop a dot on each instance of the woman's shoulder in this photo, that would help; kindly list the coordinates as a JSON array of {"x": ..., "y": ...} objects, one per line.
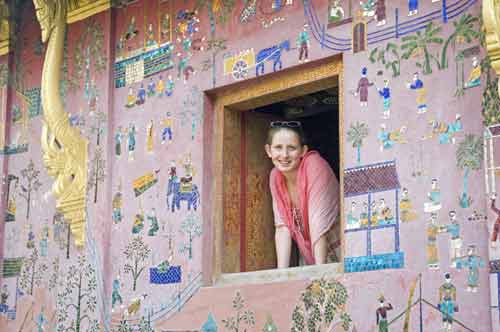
[
  {"x": 314, "y": 162},
  {"x": 313, "y": 157}
]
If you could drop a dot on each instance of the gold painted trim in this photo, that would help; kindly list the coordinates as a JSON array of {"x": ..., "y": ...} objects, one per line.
[
  {"x": 86, "y": 10},
  {"x": 491, "y": 21},
  {"x": 4, "y": 47},
  {"x": 257, "y": 92}
]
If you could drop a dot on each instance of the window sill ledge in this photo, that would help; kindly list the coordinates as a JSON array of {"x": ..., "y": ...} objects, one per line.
[{"x": 279, "y": 275}]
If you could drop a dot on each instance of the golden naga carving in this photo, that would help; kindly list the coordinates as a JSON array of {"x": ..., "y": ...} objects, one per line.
[
  {"x": 64, "y": 150},
  {"x": 491, "y": 19},
  {"x": 4, "y": 28}
]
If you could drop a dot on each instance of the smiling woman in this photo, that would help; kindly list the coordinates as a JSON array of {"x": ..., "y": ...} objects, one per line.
[{"x": 305, "y": 194}]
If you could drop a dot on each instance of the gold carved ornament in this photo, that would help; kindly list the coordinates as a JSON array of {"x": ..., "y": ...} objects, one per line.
[
  {"x": 491, "y": 21},
  {"x": 64, "y": 149}
]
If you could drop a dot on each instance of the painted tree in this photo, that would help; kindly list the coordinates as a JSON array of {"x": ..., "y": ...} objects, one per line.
[
  {"x": 97, "y": 173},
  {"x": 219, "y": 10},
  {"x": 123, "y": 326},
  {"x": 32, "y": 272},
  {"x": 243, "y": 316},
  {"x": 98, "y": 127},
  {"x": 55, "y": 277},
  {"x": 469, "y": 157},
  {"x": 421, "y": 42},
  {"x": 32, "y": 184},
  {"x": 89, "y": 56},
  {"x": 269, "y": 326},
  {"x": 145, "y": 325},
  {"x": 77, "y": 302},
  {"x": 464, "y": 28},
  {"x": 322, "y": 308},
  {"x": 388, "y": 56},
  {"x": 356, "y": 134},
  {"x": 191, "y": 227},
  {"x": 192, "y": 110},
  {"x": 136, "y": 252}
]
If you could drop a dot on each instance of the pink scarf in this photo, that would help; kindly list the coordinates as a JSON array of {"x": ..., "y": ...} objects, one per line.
[{"x": 318, "y": 201}]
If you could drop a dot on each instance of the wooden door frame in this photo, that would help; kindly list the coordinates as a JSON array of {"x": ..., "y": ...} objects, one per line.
[{"x": 231, "y": 101}]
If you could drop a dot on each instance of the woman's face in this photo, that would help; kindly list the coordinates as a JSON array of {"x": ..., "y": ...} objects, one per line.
[{"x": 286, "y": 151}]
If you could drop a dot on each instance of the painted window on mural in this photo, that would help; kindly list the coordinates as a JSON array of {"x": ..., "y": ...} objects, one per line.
[{"x": 359, "y": 34}]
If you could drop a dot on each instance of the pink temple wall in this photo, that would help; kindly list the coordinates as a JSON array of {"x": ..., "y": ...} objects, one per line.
[{"x": 419, "y": 158}]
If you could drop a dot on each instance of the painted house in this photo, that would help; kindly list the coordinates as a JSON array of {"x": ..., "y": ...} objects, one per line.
[{"x": 136, "y": 185}]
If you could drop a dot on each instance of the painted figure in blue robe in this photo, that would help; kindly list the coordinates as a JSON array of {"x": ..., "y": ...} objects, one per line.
[
  {"x": 138, "y": 223},
  {"x": 44, "y": 241},
  {"x": 118, "y": 142},
  {"x": 150, "y": 36},
  {"x": 153, "y": 228},
  {"x": 368, "y": 7},
  {"x": 474, "y": 78},
  {"x": 169, "y": 87},
  {"x": 115, "y": 295},
  {"x": 385, "y": 93},
  {"x": 352, "y": 219},
  {"x": 453, "y": 228},
  {"x": 385, "y": 138},
  {"x": 131, "y": 141},
  {"x": 412, "y": 7},
  {"x": 303, "y": 43},
  {"x": 446, "y": 132},
  {"x": 418, "y": 86},
  {"x": 151, "y": 88},
  {"x": 473, "y": 263},
  {"x": 4, "y": 296},
  {"x": 117, "y": 206},
  {"x": 447, "y": 302},
  {"x": 434, "y": 196},
  {"x": 40, "y": 321},
  {"x": 131, "y": 29},
  {"x": 141, "y": 95},
  {"x": 30, "y": 244}
]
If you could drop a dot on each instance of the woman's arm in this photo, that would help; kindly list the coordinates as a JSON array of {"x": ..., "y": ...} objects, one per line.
[
  {"x": 283, "y": 242},
  {"x": 320, "y": 250}
]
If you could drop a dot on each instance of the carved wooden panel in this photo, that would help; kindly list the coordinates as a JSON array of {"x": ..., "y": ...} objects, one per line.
[
  {"x": 232, "y": 168},
  {"x": 259, "y": 223}
]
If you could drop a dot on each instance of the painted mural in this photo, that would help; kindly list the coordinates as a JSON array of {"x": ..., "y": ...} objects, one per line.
[{"x": 420, "y": 236}]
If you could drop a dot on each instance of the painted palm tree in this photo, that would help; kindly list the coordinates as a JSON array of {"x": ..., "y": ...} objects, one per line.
[
  {"x": 469, "y": 157},
  {"x": 464, "y": 28},
  {"x": 355, "y": 135},
  {"x": 217, "y": 10},
  {"x": 388, "y": 56},
  {"x": 421, "y": 41}
]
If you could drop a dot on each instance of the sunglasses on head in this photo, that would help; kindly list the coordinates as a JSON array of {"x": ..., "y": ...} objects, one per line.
[{"x": 291, "y": 124}]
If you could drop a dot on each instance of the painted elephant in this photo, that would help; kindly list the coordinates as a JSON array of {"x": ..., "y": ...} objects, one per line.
[{"x": 174, "y": 189}]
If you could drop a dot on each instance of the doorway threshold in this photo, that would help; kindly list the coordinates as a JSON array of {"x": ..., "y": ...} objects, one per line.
[{"x": 279, "y": 275}]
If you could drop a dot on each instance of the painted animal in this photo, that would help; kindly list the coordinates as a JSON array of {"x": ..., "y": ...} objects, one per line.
[
  {"x": 273, "y": 54},
  {"x": 192, "y": 196},
  {"x": 135, "y": 305}
]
